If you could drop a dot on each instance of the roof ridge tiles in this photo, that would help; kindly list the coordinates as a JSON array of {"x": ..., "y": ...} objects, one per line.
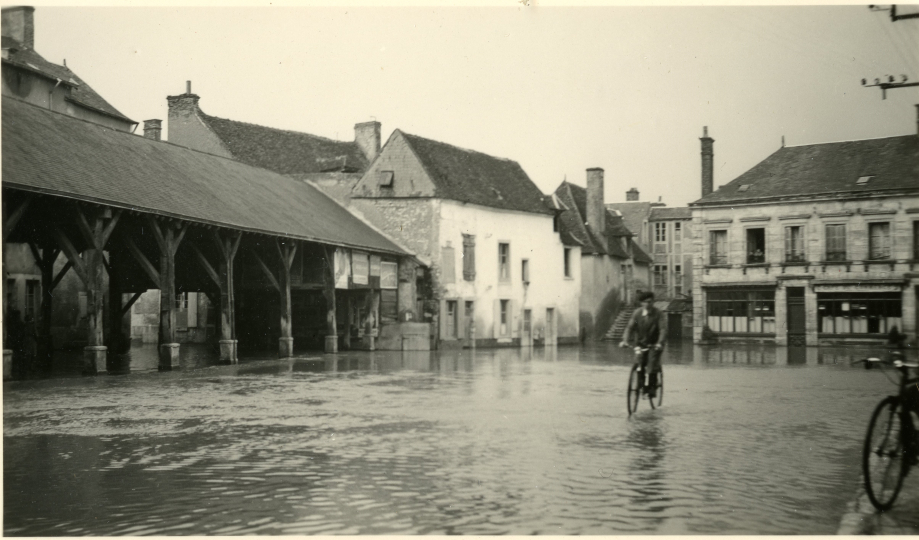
[{"x": 213, "y": 117}]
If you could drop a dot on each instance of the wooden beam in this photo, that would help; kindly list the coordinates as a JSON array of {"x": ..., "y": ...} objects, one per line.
[
  {"x": 183, "y": 228},
  {"x": 157, "y": 233},
  {"x": 72, "y": 255},
  {"x": 110, "y": 227},
  {"x": 145, "y": 263},
  {"x": 271, "y": 278},
  {"x": 127, "y": 306},
  {"x": 286, "y": 252},
  {"x": 39, "y": 260},
  {"x": 61, "y": 274},
  {"x": 204, "y": 263},
  {"x": 10, "y": 224},
  {"x": 85, "y": 228}
]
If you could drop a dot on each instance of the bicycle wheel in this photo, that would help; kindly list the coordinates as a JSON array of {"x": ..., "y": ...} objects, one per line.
[
  {"x": 634, "y": 391},
  {"x": 883, "y": 456},
  {"x": 659, "y": 391}
]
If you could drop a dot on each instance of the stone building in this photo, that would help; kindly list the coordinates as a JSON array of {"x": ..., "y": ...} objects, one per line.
[
  {"x": 334, "y": 167},
  {"x": 501, "y": 273},
  {"x": 28, "y": 77},
  {"x": 816, "y": 244},
  {"x": 613, "y": 266}
]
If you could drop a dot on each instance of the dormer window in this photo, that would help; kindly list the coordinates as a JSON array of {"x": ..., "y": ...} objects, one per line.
[
  {"x": 862, "y": 180},
  {"x": 386, "y": 178},
  {"x": 743, "y": 187}
]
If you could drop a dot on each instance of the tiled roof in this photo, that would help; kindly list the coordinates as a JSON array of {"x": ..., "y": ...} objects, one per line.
[
  {"x": 473, "y": 177},
  {"x": 48, "y": 152},
  {"x": 666, "y": 212},
  {"x": 573, "y": 222},
  {"x": 892, "y": 163},
  {"x": 81, "y": 92},
  {"x": 639, "y": 254},
  {"x": 634, "y": 213},
  {"x": 286, "y": 152}
]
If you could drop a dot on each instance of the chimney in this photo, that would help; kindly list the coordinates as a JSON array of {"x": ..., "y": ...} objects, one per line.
[
  {"x": 153, "y": 129},
  {"x": 19, "y": 23},
  {"x": 631, "y": 195},
  {"x": 596, "y": 211},
  {"x": 367, "y": 137},
  {"x": 708, "y": 180},
  {"x": 182, "y": 111}
]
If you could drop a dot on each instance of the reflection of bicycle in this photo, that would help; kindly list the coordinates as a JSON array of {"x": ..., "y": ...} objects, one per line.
[
  {"x": 892, "y": 443},
  {"x": 637, "y": 385}
]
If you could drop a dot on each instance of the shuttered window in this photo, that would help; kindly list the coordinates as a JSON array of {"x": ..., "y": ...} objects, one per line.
[
  {"x": 879, "y": 240},
  {"x": 794, "y": 244},
  {"x": 718, "y": 244},
  {"x": 468, "y": 257}
]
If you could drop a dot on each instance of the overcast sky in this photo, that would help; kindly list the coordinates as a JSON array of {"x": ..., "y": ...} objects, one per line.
[{"x": 556, "y": 89}]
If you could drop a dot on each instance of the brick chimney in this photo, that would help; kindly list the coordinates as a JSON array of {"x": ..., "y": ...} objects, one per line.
[
  {"x": 596, "y": 211},
  {"x": 367, "y": 137},
  {"x": 153, "y": 129},
  {"x": 19, "y": 23},
  {"x": 631, "y": 195},
  {"x": 708, "y": 180}
]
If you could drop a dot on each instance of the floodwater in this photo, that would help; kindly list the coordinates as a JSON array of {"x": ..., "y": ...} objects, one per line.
[{"x": 749, "y": 440}]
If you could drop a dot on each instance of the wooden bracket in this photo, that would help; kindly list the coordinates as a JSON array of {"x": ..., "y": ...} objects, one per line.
[
  {"x": 72, "y": 255},
  {"x": 130, "y": 303},
  {"x": 271, "y": 277},
  {"x": 10, "y": 224},
  {"x": 145, "y": 263},
  {"x": 205, "y": 264}
]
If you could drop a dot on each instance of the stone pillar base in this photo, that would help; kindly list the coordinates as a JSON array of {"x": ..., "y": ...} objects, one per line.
[
  {"x": 169, "y": 356},
  {"x": 94, "y": 359},
  {"x": 235, "y": 351},
  {"x": 368, "y": 342},
  {"x": 226, "y": 351},
  {"x": 331, "y": 344},
  {"x": 7, "y": 364},
  {"x": 285, "y": 347}
]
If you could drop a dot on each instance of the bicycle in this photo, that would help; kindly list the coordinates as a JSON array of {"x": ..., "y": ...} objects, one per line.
[
  {"x": 892, "y": 442},
  {"x": 637, "y": 385}
]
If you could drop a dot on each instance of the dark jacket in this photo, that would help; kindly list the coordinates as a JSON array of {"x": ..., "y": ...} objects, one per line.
[{"x": 650, "y": 329}]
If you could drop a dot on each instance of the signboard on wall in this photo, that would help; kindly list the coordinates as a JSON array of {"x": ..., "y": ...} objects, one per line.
[
  {"x": 389, "y": 278},
  {"x": 863, "y": 288},
  {"x": 342, "y": 268},
  {"x": 360, "y": 268}
]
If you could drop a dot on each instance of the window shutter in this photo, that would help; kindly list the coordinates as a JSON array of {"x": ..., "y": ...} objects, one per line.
[{"x": 788, "y": 246}]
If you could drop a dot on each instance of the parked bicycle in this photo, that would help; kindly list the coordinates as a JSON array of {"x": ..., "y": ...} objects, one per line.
[
  {"x": 892, "y": 442},
  {"x": 637, "y": 386}
]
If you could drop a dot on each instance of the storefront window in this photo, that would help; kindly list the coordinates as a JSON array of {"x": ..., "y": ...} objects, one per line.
[
  {"x": 742, "y": 311},
  {"x": 859, "y": 313}
]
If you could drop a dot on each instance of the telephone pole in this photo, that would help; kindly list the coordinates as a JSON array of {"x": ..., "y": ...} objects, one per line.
[{"x": 891, "y": 83}]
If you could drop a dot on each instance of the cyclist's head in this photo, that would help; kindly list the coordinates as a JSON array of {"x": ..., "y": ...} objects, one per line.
[{"x": 647, "y": 296}]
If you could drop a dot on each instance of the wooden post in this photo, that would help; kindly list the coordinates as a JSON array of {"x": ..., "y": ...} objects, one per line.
[
  {"x": 168, "y": 242},
  {"x": 45, "y": 261},
  {"x": 118, "y": 342},
  {"x": 227, "y": 247},
  {"x": 286, "y": 253},
  {"x": 331, "y": 337}
]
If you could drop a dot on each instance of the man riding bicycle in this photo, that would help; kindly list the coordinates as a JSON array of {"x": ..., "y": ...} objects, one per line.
[{"x": 650, "y": 327}]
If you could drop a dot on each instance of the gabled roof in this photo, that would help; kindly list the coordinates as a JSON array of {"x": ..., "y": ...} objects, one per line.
[
  {"x": 285, "y": 152},
  {"x": 666, "y": 212},
  {"x": 473, "y": 177},
  {"x": 639, "y": 254},
  {"x": 892, "y": 163},
  {"x": 81, "y": 93},
  {"x": 634, "y": 214},
  {"x": 49, "y": 152},
  {"x": 573, "y": 223}
]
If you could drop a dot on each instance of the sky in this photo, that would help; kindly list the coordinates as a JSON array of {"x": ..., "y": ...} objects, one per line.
[{"x": 557, "y": 89}]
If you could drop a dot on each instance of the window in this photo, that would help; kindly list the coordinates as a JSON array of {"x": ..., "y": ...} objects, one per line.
[
  {"x": 741, "y": 311},
  {"x": 835, "y": 242},
  {"x": 677, "y": 232},
  {"x": 525, "y": 270},
  {"x": 660, "y": 232},
  {"x": 878, "y": 241},
  {"x": 794, "y": 244},
  {"x": 859, "y": 313},
  {"x": 677, "y": 279},
  {"x": 389, "y": 275},
  {"x": 660, "y": 275},
  {"x": 756, "y": 246},
  {"x": 718, "y": 244},
  {"x": 181, "y": 301},
  {"x": 389, "y": 305},
  {"x": 504, "y": 262},
  {"x": 468, "y": 257},
  {"x": 386, "y": 178},
  {"x": 505, "y": 326},
  {"x": 527, "y": 320},
  {"x": 31, "y": 298},
  {"x": 567, "y": 262},
  {"x": 451, "y": 318},
  {"x": 555, "y": 220}
]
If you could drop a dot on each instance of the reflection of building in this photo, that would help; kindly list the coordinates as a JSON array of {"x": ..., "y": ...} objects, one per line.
[
  {"x": 500, "y": 272},
  {"x": 815, "y": 244},
  {"x": 613, "y": 267}
]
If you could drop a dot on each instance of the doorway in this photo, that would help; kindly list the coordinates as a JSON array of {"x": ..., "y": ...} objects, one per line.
[{"x": 796, "y": 316}]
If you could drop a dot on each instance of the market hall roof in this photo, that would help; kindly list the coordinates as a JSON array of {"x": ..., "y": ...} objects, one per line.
[
  {"x": 23, "y": 57},
  {"x": 849, "y": 168},
  {"x": 49, "y": 152},
  {"x": 285, "y": 152}
]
